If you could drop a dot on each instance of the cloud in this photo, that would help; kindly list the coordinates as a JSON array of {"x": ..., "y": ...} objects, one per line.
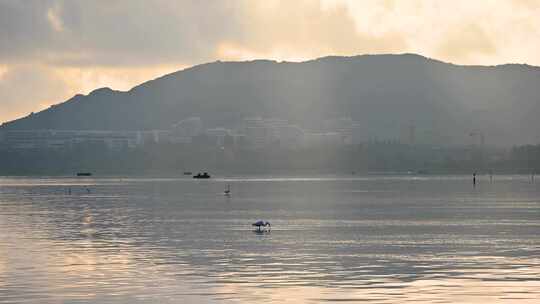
[
  {"x": 24, "y": 29},
  {"x": 466, "y": 43},
  {"x": 127, "y": 33},
  {"x": 307, "y": 29},
  {"x": 79, "y": 33},
  {"x": 156, "y": 32},
  {"x": 73, "y": 46},
  {"x": 53, "y": 16},
  {"x": 28, "y": 88},
  {"x": 529, "y": 4}
]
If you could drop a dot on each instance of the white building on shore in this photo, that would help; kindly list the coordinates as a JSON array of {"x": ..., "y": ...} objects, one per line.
[
  {"x": 261, "y": 132},
  {"x": 62, "y": 139},
  {"x": 327, "y": 139}
]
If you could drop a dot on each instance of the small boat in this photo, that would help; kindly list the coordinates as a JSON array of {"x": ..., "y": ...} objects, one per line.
[
  {"x": 227, "y": 192},
  {"x": 204, "y": 175},
  {"x": 84, "y": 174}
]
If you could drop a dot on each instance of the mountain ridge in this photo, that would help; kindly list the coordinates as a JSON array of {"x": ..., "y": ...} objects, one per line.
[{"x": 381, "y": 92}]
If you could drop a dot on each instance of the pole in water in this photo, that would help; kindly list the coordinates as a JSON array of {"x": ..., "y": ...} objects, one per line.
[
  {"x": 474, "y": 179},
  {"x": 490, "y": 176}
]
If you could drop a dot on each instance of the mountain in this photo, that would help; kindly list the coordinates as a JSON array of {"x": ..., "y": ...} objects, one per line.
[{"x": 384, "y": 93}]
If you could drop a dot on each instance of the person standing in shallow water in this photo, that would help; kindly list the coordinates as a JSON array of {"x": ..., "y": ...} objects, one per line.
[{"x": 474, "y": 179}]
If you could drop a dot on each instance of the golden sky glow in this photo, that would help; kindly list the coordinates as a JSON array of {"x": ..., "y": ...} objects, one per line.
[{"x": 52, "y": 49}]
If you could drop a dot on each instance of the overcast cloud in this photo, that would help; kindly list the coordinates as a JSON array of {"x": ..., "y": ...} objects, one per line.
[{"x": 53, "y": 49}]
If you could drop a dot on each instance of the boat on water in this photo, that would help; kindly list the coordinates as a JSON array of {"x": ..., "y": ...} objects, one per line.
[
  {"x": 84, "y": 174},
  {"x": 204, "y": 175}
]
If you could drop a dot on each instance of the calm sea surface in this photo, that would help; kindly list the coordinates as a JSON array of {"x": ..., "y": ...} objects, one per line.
[{"x": 380, "y": 239}]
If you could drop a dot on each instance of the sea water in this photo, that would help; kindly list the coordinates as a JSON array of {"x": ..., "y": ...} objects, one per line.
[{"x": 371, "y": 239}]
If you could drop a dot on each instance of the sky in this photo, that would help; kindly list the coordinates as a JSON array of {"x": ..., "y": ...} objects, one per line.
[{"x": 51, "y": 50}]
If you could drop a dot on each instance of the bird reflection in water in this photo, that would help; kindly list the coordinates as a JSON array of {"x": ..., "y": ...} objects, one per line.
[
  {"x": 261, "y": 231},
  {"x": 262, "y": 227}
]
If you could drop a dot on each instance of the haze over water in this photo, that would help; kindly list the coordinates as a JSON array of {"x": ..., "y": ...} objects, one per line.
[{"x": 376, "y": 239}]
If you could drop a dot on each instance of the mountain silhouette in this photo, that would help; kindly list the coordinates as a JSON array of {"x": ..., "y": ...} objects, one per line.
[{"x": 382, "y": 93}]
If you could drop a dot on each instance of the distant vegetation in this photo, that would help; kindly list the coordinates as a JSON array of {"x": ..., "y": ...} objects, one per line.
[{"x": 173, "y": 159}]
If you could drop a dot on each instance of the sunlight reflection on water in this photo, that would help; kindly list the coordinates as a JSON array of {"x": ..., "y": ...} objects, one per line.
[{"x": 364, "y": 239}]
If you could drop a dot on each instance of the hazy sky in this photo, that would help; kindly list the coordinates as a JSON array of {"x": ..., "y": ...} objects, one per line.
[{"x": 53, "y": 49}]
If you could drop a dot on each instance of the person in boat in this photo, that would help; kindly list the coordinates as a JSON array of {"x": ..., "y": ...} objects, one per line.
[{"x": 204, "y": 175}]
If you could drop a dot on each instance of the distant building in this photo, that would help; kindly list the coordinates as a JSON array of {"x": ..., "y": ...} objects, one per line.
[
  {"x": 146, "y": 137},
  {"x": 189, "y": 127},
  {"x": 350, "y": 130},
  {"x": 62, "y": 139},
  {"x": 185, "y": 130},
  {"x": 257, "y": 132},
  {"x": 412, "y": 133},
  {"x": 162, "y": 136},
  {"x": 261, "y": 132},
  {"x": 113, "y": 140},
  {"x": 218, "y": 135},
  {"x": 329, "y": 139},
  {"x": 239, "y": 140},
  {"x": 408, "y": 133},
  {"x": 290, "y": 136}
]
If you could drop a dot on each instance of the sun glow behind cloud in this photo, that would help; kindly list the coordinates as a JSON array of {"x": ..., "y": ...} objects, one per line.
[{"x": 52, "y": 50}]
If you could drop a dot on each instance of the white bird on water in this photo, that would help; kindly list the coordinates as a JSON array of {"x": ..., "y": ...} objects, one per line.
[{"x": 261, "y": 223}]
